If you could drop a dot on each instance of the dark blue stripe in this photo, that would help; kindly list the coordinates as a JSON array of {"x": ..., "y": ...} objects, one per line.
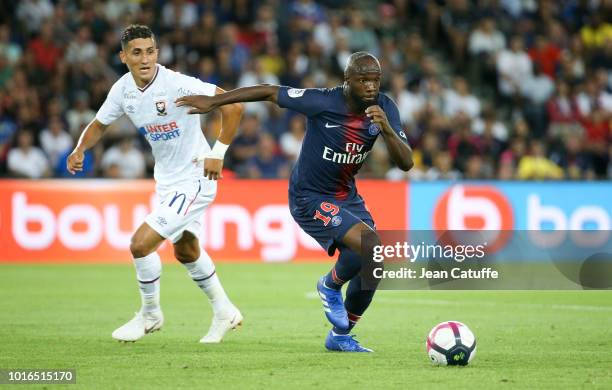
[
  {"x": 206, "y": 277},
  {"x": 150, "y": 281}
]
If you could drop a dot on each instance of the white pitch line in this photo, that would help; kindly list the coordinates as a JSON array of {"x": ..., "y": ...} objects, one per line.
[{"x": 441, "y": 302}]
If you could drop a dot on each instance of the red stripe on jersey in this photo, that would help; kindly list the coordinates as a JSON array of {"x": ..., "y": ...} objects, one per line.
[{"x": 351, "y": 129}]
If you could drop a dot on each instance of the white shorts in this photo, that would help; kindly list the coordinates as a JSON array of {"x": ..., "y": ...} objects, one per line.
[{"x": 180, "y": 207}]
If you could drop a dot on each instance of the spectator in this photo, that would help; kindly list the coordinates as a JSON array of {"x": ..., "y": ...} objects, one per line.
[
  {"x": 244, "y": 146},
  {"x": 490, "y": 123},
  {"x": 596, "y": 32},
  {"x": 486, "y": 40},
  {"x": 46, "y": 52},
  {"x": 602, "y": 59},
  {"x": 124, "y": 161},
  {"x": 8, "y": 128},
  {"x": 267, "y": 164},
  {"x": 54, "y": 140},
  {"x": 457, "y": 22},
  {"x": 514, "y": 154},
  {"x": 291, "y": 141},
  {"x": 409, "y": 102},
  {"x": 179, "y": 14},
  {"x": 563, "y": 114},
  {"x": 545, "y": 55},
  {"x": 537, "y": 91},
  {"x": 536, "y": 166},
  {"x": 253, "y": 75},
  {"x": 326, "y": 33},
  {"x": 443, "y": 168},
  {"x": 9, "y": 50},
  {"x": 459, "y": 100},
  {"x": 572, "y": 158},
  {"x": 81, "y": 49},
  {"x": 204, "y": 36},
  {"x": 476, "y": 168},
  {"x": 307, "y": 13},
  {"x": 514, "y": 68},
  {"x": 26, "y": 160},
  {"x": 32, "y": 13},
  {"x": 361, "y": 36},
  {"x": 81, "y": 114}
]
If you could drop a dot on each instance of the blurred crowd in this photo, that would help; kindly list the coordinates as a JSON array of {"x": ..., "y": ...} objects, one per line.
[{"x": 486, "y": 89}]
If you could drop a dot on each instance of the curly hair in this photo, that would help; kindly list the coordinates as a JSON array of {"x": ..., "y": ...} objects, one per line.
[{"x": 135, "y": 31}]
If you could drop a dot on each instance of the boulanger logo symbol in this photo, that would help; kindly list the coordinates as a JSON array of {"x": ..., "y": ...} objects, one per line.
[{"x": 475, "y": 207}]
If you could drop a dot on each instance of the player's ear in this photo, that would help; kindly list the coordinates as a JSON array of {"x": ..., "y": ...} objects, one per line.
[{"x": 122, "y": 56}]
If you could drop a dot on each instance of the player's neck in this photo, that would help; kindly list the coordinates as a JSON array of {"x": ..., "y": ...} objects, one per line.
[
  {"x": 355, "y": 107},
  {"x": 141, "y": 83}
]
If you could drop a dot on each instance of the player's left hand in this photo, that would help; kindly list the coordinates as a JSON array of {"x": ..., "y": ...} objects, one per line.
[
  {"x": 213, "y": 168},
  {"x": 201, "y": 104},
  {"x": 378, "y": 116}
]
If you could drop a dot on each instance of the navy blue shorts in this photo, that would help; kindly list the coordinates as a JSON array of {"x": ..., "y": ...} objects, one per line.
[{"x": 328, "y": 220}]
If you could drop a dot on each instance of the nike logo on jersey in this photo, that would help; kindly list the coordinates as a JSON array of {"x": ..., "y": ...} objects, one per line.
[{"x": 327, "y": 125}]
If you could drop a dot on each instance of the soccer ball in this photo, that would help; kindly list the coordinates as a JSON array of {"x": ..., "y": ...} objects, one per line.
[{"x": 451, "y": 343}]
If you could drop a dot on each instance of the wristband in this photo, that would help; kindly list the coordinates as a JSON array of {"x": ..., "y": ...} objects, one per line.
[{"x": 218, "y": 150}]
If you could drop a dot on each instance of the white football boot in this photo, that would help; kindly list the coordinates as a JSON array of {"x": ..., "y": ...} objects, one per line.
[
  {"x": 140, "y": 325},
  {"x": 220, "y": 326}
]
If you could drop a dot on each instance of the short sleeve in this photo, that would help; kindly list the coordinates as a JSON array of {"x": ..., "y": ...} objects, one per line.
[
  {"x": 393, "y": 117},
  {"x": 310, "y": 101},
  {"x": 188, "y": 85},
  {"x": 111, "y": 109}
]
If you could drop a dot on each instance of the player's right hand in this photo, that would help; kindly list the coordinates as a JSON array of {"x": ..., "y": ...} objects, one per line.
[
  {"x": 213, "y": 168},
  {"x": 201, "y": 104},
  {"x": 74, "y": 163}
]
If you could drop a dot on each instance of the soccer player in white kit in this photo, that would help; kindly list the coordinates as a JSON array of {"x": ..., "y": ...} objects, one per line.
[{"x": 185, "y": 182}]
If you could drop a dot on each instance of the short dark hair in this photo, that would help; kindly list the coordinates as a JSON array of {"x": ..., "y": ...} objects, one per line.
[{"x": 135, "y": 31}]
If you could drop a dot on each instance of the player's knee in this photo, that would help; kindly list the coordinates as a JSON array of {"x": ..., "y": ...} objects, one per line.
[
  {"x": 186, "y": 253},
  {"x": 370, "y": 268},
  {"x": 369, "y": 240},
  {"x": 139, "y": 248}
]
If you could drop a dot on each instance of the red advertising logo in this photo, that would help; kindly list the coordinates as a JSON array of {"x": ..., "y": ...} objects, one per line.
[{"x": 475, "y": 207}]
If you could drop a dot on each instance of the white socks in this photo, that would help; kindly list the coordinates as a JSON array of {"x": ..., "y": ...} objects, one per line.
[
  {"x": 148, "y": 272},
  {"x": 202, "y": 271}
]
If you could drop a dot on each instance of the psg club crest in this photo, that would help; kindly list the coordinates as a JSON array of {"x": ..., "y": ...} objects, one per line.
[
  {"x": 160, "y": 106},
  {"x": 337, "y": 220},
  {"x": 373, "y": 129}
]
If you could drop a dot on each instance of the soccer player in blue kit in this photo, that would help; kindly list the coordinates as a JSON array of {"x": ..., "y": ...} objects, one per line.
[{"x": 343, "y": 124}]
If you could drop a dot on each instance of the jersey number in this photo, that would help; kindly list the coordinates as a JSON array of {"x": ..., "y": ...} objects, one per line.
[{"x": 326, "y": 208}]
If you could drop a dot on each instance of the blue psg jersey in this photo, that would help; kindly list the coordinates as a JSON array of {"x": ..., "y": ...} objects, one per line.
[{"x": 336, "y": 142}]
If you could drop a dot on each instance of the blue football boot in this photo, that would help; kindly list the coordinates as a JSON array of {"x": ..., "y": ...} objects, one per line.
[
  {"x": 333, "y": 305},
  {"x": 343, "y": 343}
]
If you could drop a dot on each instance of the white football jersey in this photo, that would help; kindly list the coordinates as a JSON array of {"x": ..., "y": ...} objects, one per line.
[{"x": 174, "y": 135}]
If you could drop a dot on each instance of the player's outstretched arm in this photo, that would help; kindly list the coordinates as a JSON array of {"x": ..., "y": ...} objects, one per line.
[
  {"x": 89, "y": 137},
  {"x": 400, "y": 151},
  {"x": 202, "y": 104}
]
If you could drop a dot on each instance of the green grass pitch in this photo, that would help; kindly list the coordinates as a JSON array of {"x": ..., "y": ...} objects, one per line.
[{"x": 61, "y": 316}]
